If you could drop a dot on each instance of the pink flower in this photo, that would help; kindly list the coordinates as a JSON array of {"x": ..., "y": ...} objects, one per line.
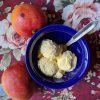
[
  {"x": 9, "y": 38},
  {"x": 80, "y": 13},
  {"x": 14, "y": 39}
]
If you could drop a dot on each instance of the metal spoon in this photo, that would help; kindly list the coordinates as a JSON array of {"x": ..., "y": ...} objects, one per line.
[{"x": 82, "y": 32}]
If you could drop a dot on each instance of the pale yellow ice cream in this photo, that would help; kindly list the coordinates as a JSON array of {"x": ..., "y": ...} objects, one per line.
[
  {"x": 48, "y": 49},
  {"x": 54, "y": 60},
  {"x": 59, "y": 74},
  {"x": 47, "y": 67},
  {"x": 67, "y": 61}
]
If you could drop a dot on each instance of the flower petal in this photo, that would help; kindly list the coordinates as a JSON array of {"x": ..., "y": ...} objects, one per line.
[
  {"x": 1, "y": 40},
  {"x": 97, "y": 6},
  {"x": 15, "y": 40},
  {"x": 12, "y": 46},
  {"x": 67, "y": 11},
  {"x": 4, "y": 24},
  {"x": 9, "y": 33},
  {"x": 89, "y": 2},
  {"x": 80, "y": 3},
  {"x": 81, "y": 14},
  {"x": 85, "y": 12},
  {"x": 5, "y": 45},
  {"x": 76, "y": 21}
]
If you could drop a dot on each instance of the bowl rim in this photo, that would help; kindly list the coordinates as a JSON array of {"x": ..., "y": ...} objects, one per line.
[{"x": 28, "y": 67}]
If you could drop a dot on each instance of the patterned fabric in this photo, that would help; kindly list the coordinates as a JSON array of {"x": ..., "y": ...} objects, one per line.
[{"x": 74, "y": 13}]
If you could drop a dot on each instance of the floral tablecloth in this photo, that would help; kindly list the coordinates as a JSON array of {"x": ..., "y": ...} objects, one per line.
[{"x": 74, "y": 13}]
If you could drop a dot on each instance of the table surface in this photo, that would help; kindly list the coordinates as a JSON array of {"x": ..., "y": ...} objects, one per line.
[{"x": 89, "y": 87}]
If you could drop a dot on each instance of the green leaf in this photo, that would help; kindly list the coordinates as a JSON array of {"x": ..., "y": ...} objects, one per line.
[
  {"x": 9, "y": 17},
  {"x": 17, "y": 54},
  {"x": 60, "y": 4},
  {"x": 6, "y": 10},
  {"x": 1, "y": 3},
  {"x": 4, "y": 50},
  {"x": 5, "y": 61}
]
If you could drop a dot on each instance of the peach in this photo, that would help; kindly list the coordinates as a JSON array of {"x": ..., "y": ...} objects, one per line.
[
  {"x": 17, "y": 83},
  {"x": 27, "y": 18}
]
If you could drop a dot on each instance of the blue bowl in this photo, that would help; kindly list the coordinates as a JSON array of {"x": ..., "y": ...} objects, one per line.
[{"x": 59, "y": 34}]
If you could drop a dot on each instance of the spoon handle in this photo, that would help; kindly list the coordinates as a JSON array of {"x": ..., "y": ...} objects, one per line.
[{"x": 82, "y": 32}]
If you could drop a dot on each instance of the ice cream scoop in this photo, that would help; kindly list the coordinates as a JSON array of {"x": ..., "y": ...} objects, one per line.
[
  {"x": 47, "y": 67},
  {"x": 67, "y": 61},
  {"x": 50, "y": 49}
]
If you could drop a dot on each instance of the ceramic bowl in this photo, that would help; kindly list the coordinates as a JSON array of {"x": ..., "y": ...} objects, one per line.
[{"x": 59, "y": 34}]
